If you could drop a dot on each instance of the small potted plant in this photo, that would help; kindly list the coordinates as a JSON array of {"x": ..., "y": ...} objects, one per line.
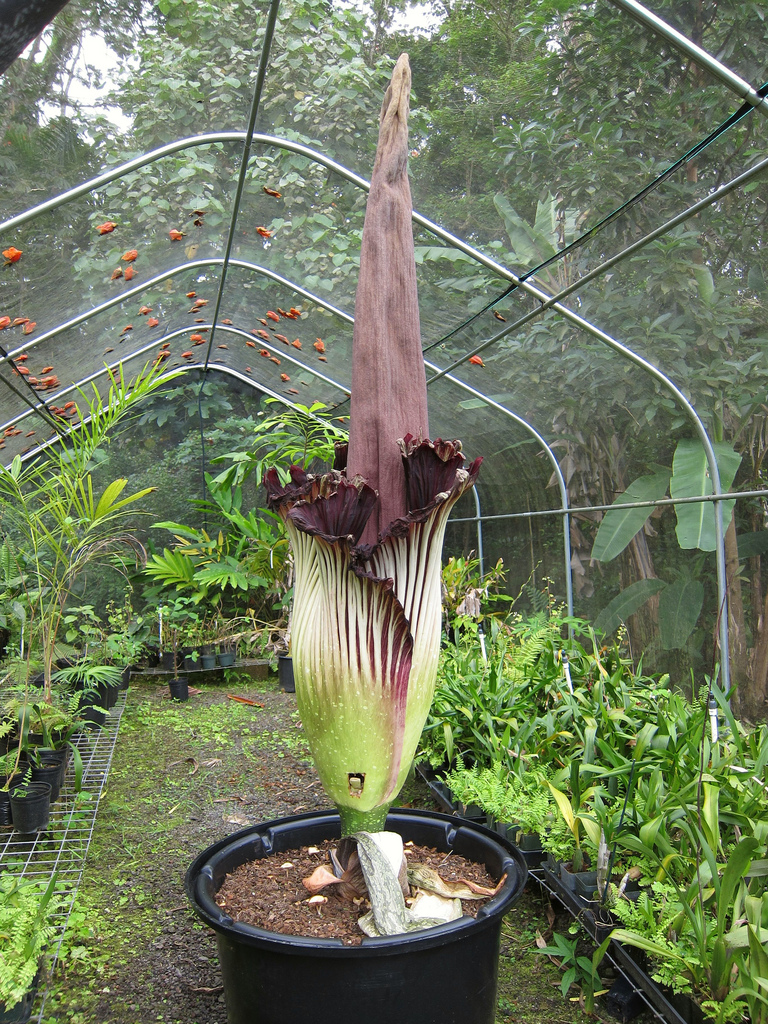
[
  {"x": 26, "y": 912},
  {"x": 227, "y": 633},
  {"x": 125, "y": 637},
  {"x": 175, "y": 618}
]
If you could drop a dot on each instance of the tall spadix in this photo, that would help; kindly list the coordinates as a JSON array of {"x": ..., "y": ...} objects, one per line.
[{"x": 367, "y": 538}]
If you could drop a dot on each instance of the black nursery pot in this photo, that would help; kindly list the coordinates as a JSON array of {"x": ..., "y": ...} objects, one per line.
[
  {"x": 52, "y": 773},
  {"x": 91, "y": 709},
  {"x": 179, "y": 688},
  {"x": 285, "y": 673},
  {"x": 31, "y": 807},
  {"x": 445, "y": 975},
  {"x": 6, "y": 818}
]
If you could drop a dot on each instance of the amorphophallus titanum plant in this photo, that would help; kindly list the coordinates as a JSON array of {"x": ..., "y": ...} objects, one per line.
[{"x": 367, "y": 537}]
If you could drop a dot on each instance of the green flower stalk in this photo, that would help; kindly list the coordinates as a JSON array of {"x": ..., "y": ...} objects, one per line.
[{"x": 367, "y": 537}]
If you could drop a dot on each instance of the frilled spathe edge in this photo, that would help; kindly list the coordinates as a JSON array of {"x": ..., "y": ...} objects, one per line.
[{"x": 336, "y": 509}]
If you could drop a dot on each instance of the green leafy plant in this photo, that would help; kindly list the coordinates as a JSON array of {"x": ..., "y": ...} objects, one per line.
[
  {"x": 51, "y": 503},
  {"x": 26, "y": 909},
  {"x": 579, "y": 970}
]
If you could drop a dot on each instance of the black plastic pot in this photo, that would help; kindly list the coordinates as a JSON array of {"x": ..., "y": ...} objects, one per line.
[
  {"x": 582, "y": 882},
  {"x": 31, "y": 806},
  {"x": 168, "y": 661},
  {"x": 179, "y": 688},
  {"x": 285, "y": 673},
  {"x": 445, "y": 975},
  {"x": 55, "y": 755},
  {"x": 52, "y": 773},
  {"x": 109, "y": 693},
  {"x": 5, "y": 806},
  {"x": 208, "y": 661},
  {"x": 6, "y": 816},
  {"x": 227, "y": 653},
  {"x": 21, "y": 1012},
  {"x": 91, "y": 710},
  {"x": 125, "y": 677}
]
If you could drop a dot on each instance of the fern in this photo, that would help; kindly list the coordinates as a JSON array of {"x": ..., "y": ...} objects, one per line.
[{"x": 26, "y": 910}]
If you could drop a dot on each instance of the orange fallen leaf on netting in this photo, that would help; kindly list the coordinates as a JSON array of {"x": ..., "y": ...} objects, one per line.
[
  {"x": 30, "y": 433},
  {"x": 191, "y": 295},
  {"x": 271, "y": 192},
  {"x": 476, "y": 361},
  {"x": 275, "y": 360},
  {"x": 273, "y": 316},
  {"x": 128, "y": 327},
  {"x": 264, "y": 232},
  {"x": 130, "y": 255},
  {"x": 106, "y": 227},
  {"x": 145, "y": 309},
  {"x": 292, "y": 391},
  {"x": 28, "y": 327},
  {"x": 152, "y": 321},
  {"x": 175, "y": 235},
  {"x": 222, "y": 346},
  {"x": 107, "y": 350},
  {"x": 22, "y": 358},
  {"x": 5, "y": 321},
  {"x": 201, "y": 342},
  {"x": 196, "y": 337},
  {"x": 227, "y": 322},
  {"x": 262, "y": 320},
  {"x": 19, "y": 321},
  {"x": 261, "y": 334},
  {"x": 46, "y": 369},
  {"x": 129, "y": 272},
  {"x": 294, "y": 312},
  {"x": 201, "y": 302},
  {"x": 264, "y": 352},
  {"x": 282, "y": 337},
  {"x": 296, "y": 343},
  {"x": 284, "y": 377},
  {"x": 499, "y": 316},
  {"x": 23, "y": 371},
  {"x": 244, "y": 700},
  {"x": 117, "y": 272},
  {"x": 319, "y": 345},
  {"x": 251, "y": 344},
  {"x": 12, "y": 255},
  {"x": 186, "y": 355}
]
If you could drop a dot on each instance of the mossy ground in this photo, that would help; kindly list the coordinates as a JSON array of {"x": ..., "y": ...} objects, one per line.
[{"x": 183, "y": 776}]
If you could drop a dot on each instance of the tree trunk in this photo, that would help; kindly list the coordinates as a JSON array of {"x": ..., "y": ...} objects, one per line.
[{"x": 739, "y": 655}]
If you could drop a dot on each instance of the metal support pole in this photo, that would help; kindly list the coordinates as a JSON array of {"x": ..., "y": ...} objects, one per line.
[{"x": 705, "y": 60}]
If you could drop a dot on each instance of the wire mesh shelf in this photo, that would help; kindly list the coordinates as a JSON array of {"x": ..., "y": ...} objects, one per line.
[{"x": 61, "y": 848}]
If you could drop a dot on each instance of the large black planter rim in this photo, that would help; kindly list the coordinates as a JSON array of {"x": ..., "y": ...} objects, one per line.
[{"x": 205, "y": 874}]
